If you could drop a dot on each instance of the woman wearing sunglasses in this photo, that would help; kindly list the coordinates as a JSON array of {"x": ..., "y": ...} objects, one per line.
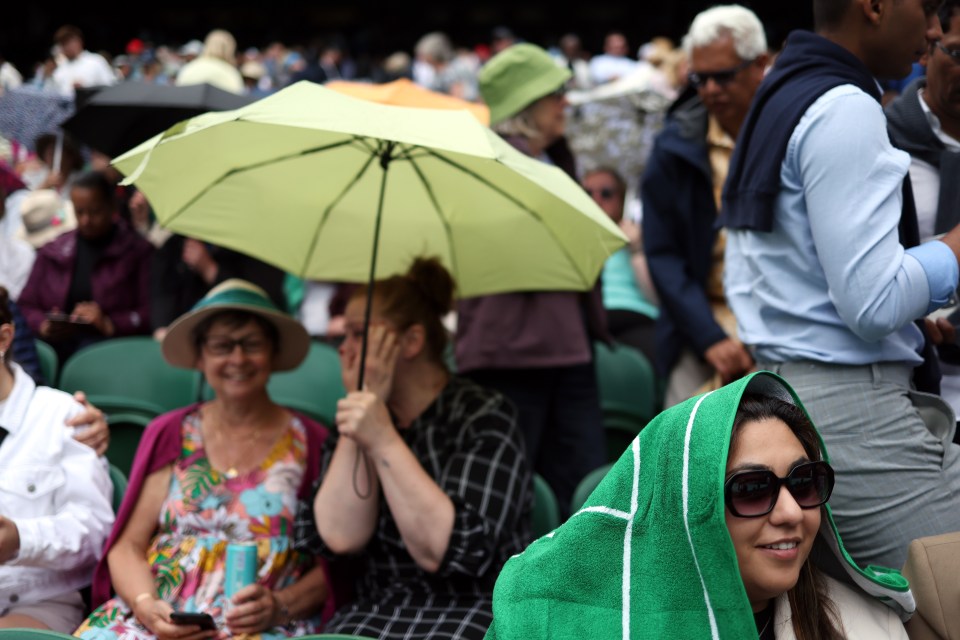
[{"x": 713, "y": 524}]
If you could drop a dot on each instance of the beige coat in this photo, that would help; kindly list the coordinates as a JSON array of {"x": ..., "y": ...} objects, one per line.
[{"x": 863, "y": 618}]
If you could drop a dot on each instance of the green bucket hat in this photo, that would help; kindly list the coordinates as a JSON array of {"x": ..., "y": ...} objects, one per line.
[
  {"x": 236, "y": 295},
  {"x": 517, "y": 76}
]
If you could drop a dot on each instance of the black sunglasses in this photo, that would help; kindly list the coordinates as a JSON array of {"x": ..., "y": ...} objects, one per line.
[
  {"x": 605, "y": 193},
  {"x": 953, "y": 53},
  {"x": 751, "y": 494},
  {"x": 722, "y": 77}
]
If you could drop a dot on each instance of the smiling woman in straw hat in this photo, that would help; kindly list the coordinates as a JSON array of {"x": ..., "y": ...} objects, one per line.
[
  {"x": 225, "y": 471},
  {"x": 535, "y": 347}
]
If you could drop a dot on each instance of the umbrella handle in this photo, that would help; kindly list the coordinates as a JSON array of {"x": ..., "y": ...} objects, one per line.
[
  {"x": 386, "y": 155},
  {"x": 57, "y": 153}
]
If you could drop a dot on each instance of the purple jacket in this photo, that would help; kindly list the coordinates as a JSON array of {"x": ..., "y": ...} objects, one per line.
[
  {"x": 533, "y": 329},
  {"x": 120, "y": 281}
]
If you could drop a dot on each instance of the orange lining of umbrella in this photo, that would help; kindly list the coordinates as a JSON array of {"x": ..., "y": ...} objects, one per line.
[{"x": 406, "y": 93}]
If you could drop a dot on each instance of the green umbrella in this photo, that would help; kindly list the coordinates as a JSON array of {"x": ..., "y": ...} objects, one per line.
[{"x": 330, "y": 187}]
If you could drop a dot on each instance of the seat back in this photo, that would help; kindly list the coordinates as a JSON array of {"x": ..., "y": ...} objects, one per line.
[
  {"x": 546, "y": 508},
  {"x": 587, "y": 485},
  {"x": 128, "y": 375},
  {"x": 620, "y": 432},
  {"x": 49, "y": 362},
  {"x": 125, "y": 432},
  {"x": 119, "y": 480},
  {"x": 314, "y": 387},
  {"x": 32, "y": 634},
  {"x": 626, "y": 382}
]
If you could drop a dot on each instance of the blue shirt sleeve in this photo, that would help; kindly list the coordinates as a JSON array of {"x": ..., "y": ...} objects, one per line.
[{"x": 941, "y": 268}]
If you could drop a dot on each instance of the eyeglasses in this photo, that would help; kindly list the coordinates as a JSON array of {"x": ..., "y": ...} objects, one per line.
[
  {"x": 251, "y": 345},
  {"x": 751, "y": 494},
  {"x": 953, "y": 53},
  {"x": 605, "y": 193},
  {"x": 723, "y": 77}
]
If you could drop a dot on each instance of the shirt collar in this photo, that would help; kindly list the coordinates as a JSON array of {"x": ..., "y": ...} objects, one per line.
[
  {"x": 15, "y": 409},
  {"x": 716, "y": 136},
  {"x": 934, "y": 123}
]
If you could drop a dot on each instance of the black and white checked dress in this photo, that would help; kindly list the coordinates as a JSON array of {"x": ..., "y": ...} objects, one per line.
[{"x": 468, "y": 441}]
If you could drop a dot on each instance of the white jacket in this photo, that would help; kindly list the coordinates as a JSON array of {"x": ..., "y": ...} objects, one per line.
[
  {"x": 863, "y": 617},
  {"x": 56, "y": 490}
]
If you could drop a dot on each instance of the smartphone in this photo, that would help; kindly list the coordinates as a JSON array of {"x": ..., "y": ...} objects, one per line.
[
  {"x": 64, "y": 317},
  {"x": 202, "y": 620}
]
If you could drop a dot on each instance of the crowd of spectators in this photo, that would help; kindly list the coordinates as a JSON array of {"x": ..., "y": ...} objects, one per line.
[{"x": 786, "y": 212}]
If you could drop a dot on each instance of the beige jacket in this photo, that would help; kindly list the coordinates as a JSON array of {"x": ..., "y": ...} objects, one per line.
[{"x": 863, "y": 618}]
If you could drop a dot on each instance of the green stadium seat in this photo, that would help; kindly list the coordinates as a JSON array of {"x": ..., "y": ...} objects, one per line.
[
  {"x": 49, "y": 362},
  {"x": 546, "y": 509},
  {"x": 128, "y": 375},
  {"x": 587, "y": 485}
]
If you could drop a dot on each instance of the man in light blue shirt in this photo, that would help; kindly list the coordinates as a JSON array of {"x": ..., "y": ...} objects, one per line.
[{"x": 823, "y": 290}]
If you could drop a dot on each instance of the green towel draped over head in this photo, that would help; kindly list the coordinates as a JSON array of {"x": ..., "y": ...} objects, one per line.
[{"x": 649, "y": 555}]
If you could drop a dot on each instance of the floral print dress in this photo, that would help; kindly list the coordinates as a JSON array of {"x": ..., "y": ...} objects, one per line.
[{"x": 205, "y": 510}]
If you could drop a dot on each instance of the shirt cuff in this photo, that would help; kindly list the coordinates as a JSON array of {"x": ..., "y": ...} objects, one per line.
[
  {"x": 940, "y": 266},
  {"x": 28, "y": 542}
]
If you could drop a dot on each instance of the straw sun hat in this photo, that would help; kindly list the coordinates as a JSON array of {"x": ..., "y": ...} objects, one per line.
[{"x": 178, "y": 345}]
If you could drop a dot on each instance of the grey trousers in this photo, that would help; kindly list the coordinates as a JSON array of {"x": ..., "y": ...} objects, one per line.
[{"x": 898, "y": 471}]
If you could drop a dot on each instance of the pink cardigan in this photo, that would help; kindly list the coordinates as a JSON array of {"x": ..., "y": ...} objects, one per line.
[{"x": 161, "y": 445}]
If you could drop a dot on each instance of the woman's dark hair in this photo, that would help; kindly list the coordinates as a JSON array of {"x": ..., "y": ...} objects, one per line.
[
  {"x": 755, "y": 407},
  {"x": 812, "y": 611},
  {"x": 234, "y": 319},
  {"x": 6, "y": 315},
  {"x": 421, "y": 296}
]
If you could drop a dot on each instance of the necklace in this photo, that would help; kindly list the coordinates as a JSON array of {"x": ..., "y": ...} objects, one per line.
[
  {"x": 768, "y": 614},
  {"x": 222, "y": 439}
]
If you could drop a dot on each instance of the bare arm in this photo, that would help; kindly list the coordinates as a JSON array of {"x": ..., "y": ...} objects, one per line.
[
  {"x": 423, "y": 512},
  {"x": 127, "y": 559},
  {"x": 346, "y": 506},
  {"x": 345, "y": 520}
]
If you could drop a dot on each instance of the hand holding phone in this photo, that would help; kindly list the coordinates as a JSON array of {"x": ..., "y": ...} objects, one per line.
[{"x": 202, "y": 620}]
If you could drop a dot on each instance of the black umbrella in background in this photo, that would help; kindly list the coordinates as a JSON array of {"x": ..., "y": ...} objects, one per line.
[{"x": 118, "y": 118}]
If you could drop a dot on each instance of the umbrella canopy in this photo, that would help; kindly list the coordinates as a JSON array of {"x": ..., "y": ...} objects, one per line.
[
  {"x": 311, "y": 180},
  {"x": 122, "y": 116},
  {"x": 406, "y": 93},
  {"x": 26, "y": 113}
]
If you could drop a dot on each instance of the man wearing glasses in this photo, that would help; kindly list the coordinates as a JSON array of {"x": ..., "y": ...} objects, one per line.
[
  {"x": 697, "y": 344},
  {"x": 924, "y": 121},
  {"x": 827, "y": 276}
]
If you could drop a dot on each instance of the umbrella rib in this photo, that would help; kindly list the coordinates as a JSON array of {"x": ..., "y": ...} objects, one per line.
[
  {"x": 503, "y": 193},
  {"x": 436, "y": 205},
  {"x": 326, "y": 212},
  {"x": 476, "y": 176},
  {"x": 251, "y": 167}
]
